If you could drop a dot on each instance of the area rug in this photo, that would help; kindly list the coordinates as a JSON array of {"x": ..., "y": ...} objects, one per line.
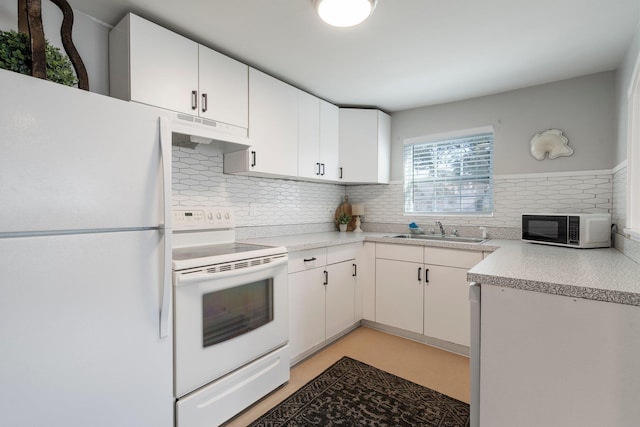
[{"x": 352, "y": 393}]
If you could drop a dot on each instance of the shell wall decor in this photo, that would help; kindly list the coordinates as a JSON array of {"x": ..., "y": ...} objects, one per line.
[{"x": 550, "y": 141}]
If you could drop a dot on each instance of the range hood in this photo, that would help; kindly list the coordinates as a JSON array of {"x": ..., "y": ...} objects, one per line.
[{"x": 189, "y": 131}]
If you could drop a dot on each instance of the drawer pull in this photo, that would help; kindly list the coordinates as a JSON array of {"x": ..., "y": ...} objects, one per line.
[
  {"x": 355, "y": 270},
  {"x": 326, "y": 278},
  {"x": 419, "y": 274},
  {"x": 426, "y": 276},
  {"x": 310, "y": 259}
]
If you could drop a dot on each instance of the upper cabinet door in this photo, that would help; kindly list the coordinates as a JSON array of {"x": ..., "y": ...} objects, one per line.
[
  {"x": 273, "y": 125},
  {"x": 329, "y": 140},
  {"x": 308, "y": 136},
  {"x": 224, "y": 88},
  {"x": 152, "y": 65},
  {"x": 365, "y": 145},
  {"x": 163, "y": 66}
]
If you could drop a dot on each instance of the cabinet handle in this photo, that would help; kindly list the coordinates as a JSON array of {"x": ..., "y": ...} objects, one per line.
[
  {"x": 318, "y": 166},
  {"x": 355, "y": 270},
  {"x": 326, "y": 278},
  {"x": 310, "y": 259},
  {"x": 322, "y": 164},
  {"x": 253, "y": 159},
  {"x": 419, "y": 274},
  {"x": 204, "y": 103},
  {"x": 426, "y": 276},
  {"x": 194, "y": 99},
  {"x": 340, "y": 173}
]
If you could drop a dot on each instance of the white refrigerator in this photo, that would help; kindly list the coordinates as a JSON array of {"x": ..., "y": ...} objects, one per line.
[{"x": 85, "y": 337}]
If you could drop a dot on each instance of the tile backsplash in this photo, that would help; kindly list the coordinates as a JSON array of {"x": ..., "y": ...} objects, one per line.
[
  {"x": 268, "y": 206},
  {"x": 265, "y": 206},
  {"x": 514, "y": 194}
]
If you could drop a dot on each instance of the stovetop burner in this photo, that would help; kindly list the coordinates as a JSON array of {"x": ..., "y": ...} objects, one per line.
[
  {"x": 206, "y": 236},
  {"x": 182, "y": 254}
]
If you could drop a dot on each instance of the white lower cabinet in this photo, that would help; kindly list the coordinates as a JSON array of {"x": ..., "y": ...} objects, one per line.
[
  {"x": 551, "y": 360},
  {"x": 424, "y": 290},
  {"x": 399, "y": 294},
  {"x": 322, "y": 297}
]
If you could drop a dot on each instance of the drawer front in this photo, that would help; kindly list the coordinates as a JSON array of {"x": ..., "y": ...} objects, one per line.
[
  {"x": 336, "y": 254},
  {"x": 408, "y": 253},
  {"x": 451, "y": 257},
  {"x": 306, "y": 260}
]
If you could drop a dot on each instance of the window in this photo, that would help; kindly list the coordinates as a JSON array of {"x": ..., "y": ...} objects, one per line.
[{"x": 449, "y": 173}]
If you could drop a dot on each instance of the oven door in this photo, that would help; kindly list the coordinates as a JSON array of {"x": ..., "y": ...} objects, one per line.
[{"x": 225, "y": 320}]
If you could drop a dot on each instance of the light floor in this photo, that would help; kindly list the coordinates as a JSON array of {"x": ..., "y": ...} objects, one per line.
[{"x": 437, "y": 369}]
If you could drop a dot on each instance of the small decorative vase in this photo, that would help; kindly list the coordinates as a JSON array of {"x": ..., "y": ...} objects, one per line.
[{"x": 343, "y": 227}]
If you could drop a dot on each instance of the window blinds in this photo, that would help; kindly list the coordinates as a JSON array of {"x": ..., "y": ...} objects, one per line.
[{"x": 453, "y": 175}]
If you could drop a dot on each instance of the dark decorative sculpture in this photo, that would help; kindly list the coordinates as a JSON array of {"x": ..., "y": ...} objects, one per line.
[{"x": 30, "y": 23}]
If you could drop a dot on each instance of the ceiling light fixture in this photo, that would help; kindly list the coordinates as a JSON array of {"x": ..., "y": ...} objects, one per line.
[{"x": 344, "y": 13}]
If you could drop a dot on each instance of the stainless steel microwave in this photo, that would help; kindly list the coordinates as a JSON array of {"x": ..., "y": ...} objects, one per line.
[{"x": 579, "y": 230}]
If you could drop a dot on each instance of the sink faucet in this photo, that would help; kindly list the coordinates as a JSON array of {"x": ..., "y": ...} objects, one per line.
[{"x": 439, "y": 224}]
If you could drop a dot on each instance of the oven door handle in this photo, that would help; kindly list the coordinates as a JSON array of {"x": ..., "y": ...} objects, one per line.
[{"x": 185, "y": 279}]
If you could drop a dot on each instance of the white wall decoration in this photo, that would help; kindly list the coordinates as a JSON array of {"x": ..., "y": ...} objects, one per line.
[{"x": 550, "y": 141}]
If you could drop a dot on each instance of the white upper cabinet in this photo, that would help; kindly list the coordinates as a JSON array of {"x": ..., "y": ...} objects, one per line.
[
  {"x": 224, "y": 88},
  {"x": 152, "y": 65},
  {"x": 329, "y": 140},
  {"x": 365, "y": 146},
  {"x": 273, "y": 125},
  {"x": 317, "y": 138},
  {"x": 308, "y": 136}
]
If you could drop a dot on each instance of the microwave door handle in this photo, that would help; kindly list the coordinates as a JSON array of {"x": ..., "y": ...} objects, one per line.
[{"x": 184, "y": 280}]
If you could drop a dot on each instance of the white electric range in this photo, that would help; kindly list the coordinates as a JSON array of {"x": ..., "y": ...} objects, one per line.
[{"x": 230, "y": 318}]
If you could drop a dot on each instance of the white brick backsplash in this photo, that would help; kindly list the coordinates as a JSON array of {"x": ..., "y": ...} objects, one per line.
[
  {"x": 619, "y": 213},
  {"x": 198, "y": 181},
  {"x": 514, "y": 195},
  {"x": 308, "y": 206}
]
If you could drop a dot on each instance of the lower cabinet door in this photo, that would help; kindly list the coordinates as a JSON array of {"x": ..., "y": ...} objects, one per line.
[
  {"x": 340, "y": 298},
  {"x": 446, "y": 304},
  {"x": 399, "y": 294},
  {"x": 306, "y": 310}
]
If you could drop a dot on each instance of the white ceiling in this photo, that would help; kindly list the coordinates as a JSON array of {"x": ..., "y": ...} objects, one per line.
[{"x": 409, "y": 53}]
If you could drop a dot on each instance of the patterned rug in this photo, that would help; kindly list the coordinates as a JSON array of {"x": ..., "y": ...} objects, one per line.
[{"x": 352, "y": 393}]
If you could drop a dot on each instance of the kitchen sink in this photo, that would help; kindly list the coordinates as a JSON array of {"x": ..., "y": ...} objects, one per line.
[{"x": 436, "y": 237}]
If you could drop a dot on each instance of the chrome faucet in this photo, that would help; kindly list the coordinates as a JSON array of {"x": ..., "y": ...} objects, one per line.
[{"x": 439, "y": 224}]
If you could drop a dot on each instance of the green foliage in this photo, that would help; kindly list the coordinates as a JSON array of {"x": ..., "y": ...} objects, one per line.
[
  {"x": 15, "y": 55},
  {"x": 344, "y": 218}
]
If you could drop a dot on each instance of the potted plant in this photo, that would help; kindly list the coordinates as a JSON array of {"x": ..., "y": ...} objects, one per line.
[
  {"x": 15, "y": 55},
  {"x": 344, "y": 219}
]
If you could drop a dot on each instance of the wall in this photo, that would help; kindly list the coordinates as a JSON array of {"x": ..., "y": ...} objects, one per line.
[
  {"x": 90, "y": 37},
  {"x": 580, "y": 183},
  {"x": 263, "y": 206},
  {"x": 624, "y": 75},
  {"x": 583, "y": 107},
  {"x": 623, "y": 83},
  {"x": 587, "y": 191}
]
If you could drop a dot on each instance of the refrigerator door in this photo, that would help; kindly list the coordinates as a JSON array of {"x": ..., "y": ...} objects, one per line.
[
  {"x": 74, "y": 160},
  {"x": 79, "y": 331}
]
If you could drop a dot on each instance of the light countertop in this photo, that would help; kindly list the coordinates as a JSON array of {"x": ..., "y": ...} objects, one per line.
[
  {"x": 301, "y": 242},
  {"x": 597, "y": 274}
]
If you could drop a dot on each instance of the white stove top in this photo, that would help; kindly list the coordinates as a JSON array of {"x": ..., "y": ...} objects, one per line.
[{"x": 205, "y": 236}]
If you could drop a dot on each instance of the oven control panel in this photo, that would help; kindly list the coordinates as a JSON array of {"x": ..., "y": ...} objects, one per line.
[{"x": 202, "y": 218}]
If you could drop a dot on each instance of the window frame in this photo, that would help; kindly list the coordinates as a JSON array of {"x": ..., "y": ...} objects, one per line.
[
  {"x": 632, "y": 227},
  {"x": 440, "y": 137}
]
